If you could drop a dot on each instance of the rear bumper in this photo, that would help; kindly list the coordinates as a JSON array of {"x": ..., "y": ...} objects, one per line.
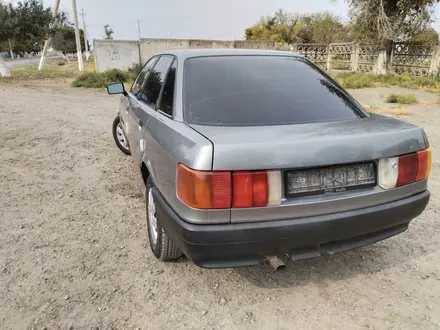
[{"x": 244, "y": 244}]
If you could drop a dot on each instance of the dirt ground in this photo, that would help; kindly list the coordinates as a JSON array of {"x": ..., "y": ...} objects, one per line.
[{"x": 74, "y": 253}]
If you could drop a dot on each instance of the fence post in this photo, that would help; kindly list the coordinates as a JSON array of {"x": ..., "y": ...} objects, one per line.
[
  {"x": 328, "y": 64},
  {"x": 355, "y": 58},
  {"x": 380, "y": 66},
  {"x": 435, "y": 59}
]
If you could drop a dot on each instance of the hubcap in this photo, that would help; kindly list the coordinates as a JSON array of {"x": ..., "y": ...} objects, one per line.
[
  {"x": 152, "y": 220},
  {"x": 121, "y": 136}
]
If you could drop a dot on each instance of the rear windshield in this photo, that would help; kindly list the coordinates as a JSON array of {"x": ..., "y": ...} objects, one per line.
[{"x": 261, "y": 90}]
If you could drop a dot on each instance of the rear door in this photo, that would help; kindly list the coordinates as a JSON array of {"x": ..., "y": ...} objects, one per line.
[
  {"x": 160, "y": 137},
  {"x": 133, "y": 113},
  {"x": 145, "y": 107}
]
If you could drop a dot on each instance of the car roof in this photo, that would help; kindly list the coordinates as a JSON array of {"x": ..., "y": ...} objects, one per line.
[{"x": 189, "y": 53}]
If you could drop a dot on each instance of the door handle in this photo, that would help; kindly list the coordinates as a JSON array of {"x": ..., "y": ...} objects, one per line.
[{"x": 141, "y": 123}]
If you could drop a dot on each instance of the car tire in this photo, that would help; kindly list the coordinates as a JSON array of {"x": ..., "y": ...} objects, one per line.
[
  {"x": 120, "y": 137},
  {"x": 161, "y": 245}
]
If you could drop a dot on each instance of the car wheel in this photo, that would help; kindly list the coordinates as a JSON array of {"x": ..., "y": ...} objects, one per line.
[
  {"x": 120, "y": 137},
  {"x": 161, "y": 245}
]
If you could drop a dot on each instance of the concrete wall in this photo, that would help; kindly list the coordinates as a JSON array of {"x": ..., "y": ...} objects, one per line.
[
  {"x": 254, "y": 44},
  {"x": 124, "y": 54},
  {"x": 115, "y": 54},
  {"x": 153, "y": 46}
]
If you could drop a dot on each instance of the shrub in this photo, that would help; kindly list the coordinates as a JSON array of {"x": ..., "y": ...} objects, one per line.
[
  {"x": 134, "y": 71},
  {"x": 116, "y": 75},
  {"x": 402, "y": 99},
  {"x": 363, "y": 80},
  {"x": 89, "y": 80},
  {"x": 100, "y": 79}
]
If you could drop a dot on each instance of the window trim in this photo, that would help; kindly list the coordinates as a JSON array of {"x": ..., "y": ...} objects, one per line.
[
  {"x": 156, "y": 57},
  {"x": 158, "y": 98},
  {"x": 163, "y": 87}
]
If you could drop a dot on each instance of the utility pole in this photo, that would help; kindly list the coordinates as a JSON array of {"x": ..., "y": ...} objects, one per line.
[
  {"x": 78, "y": 39},
  {"x": 47, "y": 42},
  {"x": 139, "y": 29},
  {"x": 86, "y": 45}
]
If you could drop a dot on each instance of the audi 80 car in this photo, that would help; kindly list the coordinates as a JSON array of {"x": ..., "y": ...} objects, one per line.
[{"x": 250, "y": 154}]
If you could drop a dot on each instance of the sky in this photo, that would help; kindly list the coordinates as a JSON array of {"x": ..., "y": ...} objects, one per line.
[{"x": 204, "y": 19}]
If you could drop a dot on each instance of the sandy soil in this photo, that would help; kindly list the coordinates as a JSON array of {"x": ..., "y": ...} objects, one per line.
[{"x": 74, "y": 254}]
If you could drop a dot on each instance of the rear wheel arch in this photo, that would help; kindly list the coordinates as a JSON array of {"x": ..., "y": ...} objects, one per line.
[{"x": 147, "y": 171}]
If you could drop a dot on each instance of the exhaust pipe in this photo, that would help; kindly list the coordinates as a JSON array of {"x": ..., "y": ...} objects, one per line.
[{"x": 276, "y": 263}]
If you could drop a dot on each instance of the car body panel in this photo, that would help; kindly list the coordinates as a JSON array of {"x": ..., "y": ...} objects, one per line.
[
  {"x": 327, "y": 203},
  {"x": 168, "y": 143},
  {"x": 161, "y": 143}
]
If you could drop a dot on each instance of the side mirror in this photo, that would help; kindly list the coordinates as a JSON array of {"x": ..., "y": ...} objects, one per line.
[{"x": 116, "y": 88}]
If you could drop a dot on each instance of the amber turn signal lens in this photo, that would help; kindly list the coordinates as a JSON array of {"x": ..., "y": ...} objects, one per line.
[
  {"x": 203, "y": 190},
  {"x": 423, "y": 164}
]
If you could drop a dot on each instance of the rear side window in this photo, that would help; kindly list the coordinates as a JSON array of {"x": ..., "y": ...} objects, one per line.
[
  {"x": 261, "y": 90},
  {"x": 151, "y": 90},
  {"x": 137, "y": 85},
  {"x": 167, "y": 99}
]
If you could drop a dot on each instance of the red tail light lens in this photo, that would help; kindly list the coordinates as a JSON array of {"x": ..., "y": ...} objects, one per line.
[
  {"x": 407, "y": 169},
  {"x": 242, "y": 186},
  {"x": 250, "y": 189},
  {"x": 260, "y": 189},
  {"x": 414, "y": 167}
]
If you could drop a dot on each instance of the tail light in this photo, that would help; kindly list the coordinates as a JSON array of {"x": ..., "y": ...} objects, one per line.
[
  {"x": 204, "y": 190},
  {"x": 221, "y": 189},
  {"x": 403, "y": 170},
  {"x": 250, "y": 189}
]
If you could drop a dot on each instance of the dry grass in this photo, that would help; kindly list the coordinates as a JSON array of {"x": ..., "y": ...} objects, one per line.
[
  {"x": 52, "y": 72},
  {"x": 430, "y": 102},
  {"x": 402, "y": 99},
  {"x": 365, "y": 80},
  {"x": 386, "y": 111}
]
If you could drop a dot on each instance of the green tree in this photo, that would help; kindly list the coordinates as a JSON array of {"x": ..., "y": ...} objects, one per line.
[
  {"x": 4, "y": 71},
  {"x": 326, "y": 28},
  {"x": 391, "y": 20},
  {"x": 428, "y": 37},
  {"x": 63, "y": 35},
  {"x": 24, "y": 26},
  {"x": 290, "y": 28},
  {"x": 63, "y": 39}
]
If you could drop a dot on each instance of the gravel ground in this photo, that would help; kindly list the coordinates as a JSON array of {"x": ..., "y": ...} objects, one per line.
[{"x": 74, "y": 253}]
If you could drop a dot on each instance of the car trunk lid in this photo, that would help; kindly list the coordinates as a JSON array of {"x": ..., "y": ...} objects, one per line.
[{"x": 311, "y": 145}]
